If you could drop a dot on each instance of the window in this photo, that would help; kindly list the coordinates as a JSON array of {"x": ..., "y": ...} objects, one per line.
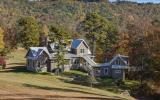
[
  {"x": 76, "y": 61},
  {"x": 118, "y": 62},
  {"x": 33, "y": 63},
  {"x": 106, "y": 71},
  {"x": 27, "y": 62},
  {"x": 97, "y": 71},
  {"x": 82, "y": 51},
  {"x": 30, "y": 63},
  {"x": 39, "y": 64},
  {"x": 117, "y": 71}
]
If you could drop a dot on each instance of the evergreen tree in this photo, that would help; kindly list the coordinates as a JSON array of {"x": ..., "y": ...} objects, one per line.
[
  {"x": 59, "y": 36},
  {"x": 99, "y": 31}
]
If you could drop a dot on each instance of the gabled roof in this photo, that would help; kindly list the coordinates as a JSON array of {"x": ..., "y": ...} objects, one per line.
[
  {"x": 51, "y": 47},
  {"x": 76, "y": 42},
  {"x": 122, "y": 57},
  {"x": 35, "y": 52}
]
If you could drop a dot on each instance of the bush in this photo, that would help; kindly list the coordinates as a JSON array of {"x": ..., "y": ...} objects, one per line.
[
  {"x": 143, "y": 90},
  {"x": 119, "y": 82}
]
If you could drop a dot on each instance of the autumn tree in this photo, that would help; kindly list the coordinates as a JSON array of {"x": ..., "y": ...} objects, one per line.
[
  {"x": 3, "y": 49},
  {"x": 1, "y": 38},
  {"x": 28, "y": 34}
]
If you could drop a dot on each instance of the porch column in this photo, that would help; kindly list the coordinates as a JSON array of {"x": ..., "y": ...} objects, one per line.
[{"x": 48, "y": 65}]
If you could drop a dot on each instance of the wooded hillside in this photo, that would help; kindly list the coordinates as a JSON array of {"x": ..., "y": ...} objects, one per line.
[{"x": 125, "y": 27}]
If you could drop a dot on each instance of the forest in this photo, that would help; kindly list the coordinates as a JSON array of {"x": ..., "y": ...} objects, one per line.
[{"x": 126, "y": 28}]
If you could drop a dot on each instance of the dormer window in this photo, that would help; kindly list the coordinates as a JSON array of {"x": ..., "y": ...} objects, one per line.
[
  {"x": 82, "y": 51},
  {"x": 117, "y": 62}
]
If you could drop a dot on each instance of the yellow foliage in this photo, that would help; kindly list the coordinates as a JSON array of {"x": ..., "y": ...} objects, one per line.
[
  {"x": 1, "y": 38},
  {"x": 45, "y": 30}
]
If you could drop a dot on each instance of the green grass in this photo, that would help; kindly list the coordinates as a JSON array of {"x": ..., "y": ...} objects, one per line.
[
  {"x": 73, "y": 73},
  {"x": 109, "y": 84},
  {"x": 16, "y": 77}
]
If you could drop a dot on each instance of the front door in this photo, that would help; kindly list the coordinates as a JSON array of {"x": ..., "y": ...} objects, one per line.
[{"x": 105, "y": 71}]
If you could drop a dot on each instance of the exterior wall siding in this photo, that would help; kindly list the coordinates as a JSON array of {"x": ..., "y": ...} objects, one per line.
[
  {"x": 82, "y": 46},
  {"x": 104, "y": 73},
  {"x": 97, "y": 72},
  {"x": 120, "y": 62},
  {"x": 38, "y": 64},
  {"x": 118, "y": 73}
]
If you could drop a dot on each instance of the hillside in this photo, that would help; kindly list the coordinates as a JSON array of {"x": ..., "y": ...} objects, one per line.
[
  {"x": 124, "y": 28},
  {"x": 69, "y": 13},
  {"x": 132, "y": 20}
]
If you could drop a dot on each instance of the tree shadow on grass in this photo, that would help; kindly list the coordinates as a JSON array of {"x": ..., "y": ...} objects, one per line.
[
  {"x": 99, "y": 96},
  {"x": 16, "y": 69},
  {"x": 16, "y": 64}
]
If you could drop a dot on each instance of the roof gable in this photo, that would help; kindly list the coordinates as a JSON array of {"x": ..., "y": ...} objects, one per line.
[
  {"x": 121, "y": 57},
  {"x": 77, "y": 42},
  {"x": 35, "y": 52}
]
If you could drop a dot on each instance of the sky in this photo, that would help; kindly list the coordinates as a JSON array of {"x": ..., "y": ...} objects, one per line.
[{"x": 143, "y": 1}]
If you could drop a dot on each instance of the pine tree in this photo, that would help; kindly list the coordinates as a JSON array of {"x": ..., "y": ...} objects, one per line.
[
  {"x": 99, "y": 31},
  {"x": 59, "y": 36}
]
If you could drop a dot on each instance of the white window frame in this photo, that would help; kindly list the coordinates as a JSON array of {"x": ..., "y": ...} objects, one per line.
[{"x": 82, "y": 51}]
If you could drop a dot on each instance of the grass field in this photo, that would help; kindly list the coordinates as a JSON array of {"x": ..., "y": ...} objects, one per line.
[{"x": 17, "y": 83}]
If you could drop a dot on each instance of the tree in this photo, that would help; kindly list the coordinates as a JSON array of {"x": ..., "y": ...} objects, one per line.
[
  {"x": 1, "y": 38},
  {"x": 3, "y": 50},
  {"x": 9, "y": 38},
  {"x": 28, "y": 33},
  {"x": 99, "y": 31},
  {"x": 44, "y": 35},
  {"x": 59, "y": 36}
]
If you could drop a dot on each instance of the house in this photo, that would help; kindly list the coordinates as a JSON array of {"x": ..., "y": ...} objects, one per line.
[
  {"x": 116, "y": 68},
  {"x": 77, "y": 56},
  {"x": 37, "y": 59}
]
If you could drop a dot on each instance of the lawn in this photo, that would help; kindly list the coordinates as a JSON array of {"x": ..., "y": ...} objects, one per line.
[{"x": 17, "y": 83}]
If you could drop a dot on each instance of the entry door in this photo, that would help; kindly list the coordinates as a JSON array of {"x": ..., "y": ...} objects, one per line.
[{"x": 105, "y": 71}]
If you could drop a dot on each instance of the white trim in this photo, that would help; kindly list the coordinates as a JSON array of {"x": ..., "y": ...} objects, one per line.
[
  {"x": 119, "y": 67},
  {"x": 116, "y": 57},
  {"x": 79, "y": 45},
  {"x": 88, "y": 50}
]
